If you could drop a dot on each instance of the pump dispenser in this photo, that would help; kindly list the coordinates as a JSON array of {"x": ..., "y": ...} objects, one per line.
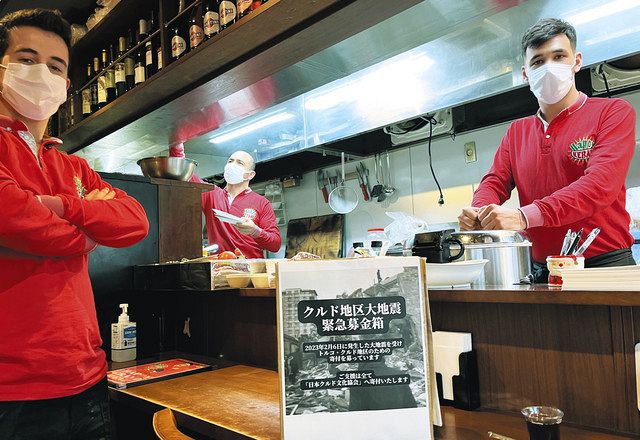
[{"x": 123, "y": 337}]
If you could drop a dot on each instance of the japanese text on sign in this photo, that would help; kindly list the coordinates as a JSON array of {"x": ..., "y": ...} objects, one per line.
[
  {"x": 353, "y": 351},
  {"x": 352, "y": 379},
  {"x": 353, "y": 316}
]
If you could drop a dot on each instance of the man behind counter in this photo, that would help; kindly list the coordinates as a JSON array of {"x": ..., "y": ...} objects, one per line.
[
  {"x": 258, "y": 229},
  {"x": 568, "y": 161},
  {"x": 55, "y": 211}
]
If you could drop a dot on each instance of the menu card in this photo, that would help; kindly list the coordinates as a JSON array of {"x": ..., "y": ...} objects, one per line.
[{"x": 147, "y": 373}]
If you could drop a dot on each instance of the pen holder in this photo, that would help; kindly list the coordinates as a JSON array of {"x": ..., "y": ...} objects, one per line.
[{"x": 555, "y": 264}]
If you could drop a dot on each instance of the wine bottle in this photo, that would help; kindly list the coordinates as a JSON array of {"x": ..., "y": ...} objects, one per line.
[
  {"x": 110, "y": 75},
  {"x": 86, "y": 95},
  {"x": 211, "y": 18},
  {"x": 94, "y": 86},
  {"x": 227, "y": 13},
  {"x": 129, "y": 65},
  {"x": 149, "y": 58},
  {"x": 243, "y": 8},
  {"x": 178, "y": 45},
  {"x": 143, "y": 29},
  {"x": 102, "y": 79},
  {"x": 140, "y": 69},
  {"x": 196, "y": 33},
  {"x": 120, "y": 68},
  {"x": 159, "y": 58}
]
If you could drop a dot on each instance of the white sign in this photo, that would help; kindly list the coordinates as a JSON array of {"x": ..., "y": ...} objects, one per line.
[{"x": 354, "y": 340}]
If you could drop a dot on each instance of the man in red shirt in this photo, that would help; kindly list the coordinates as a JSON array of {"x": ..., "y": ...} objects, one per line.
[
  {"x": 56, "y": 210},
  {"x": 569, "y": 161},
  {"x": 258, "y": 229}
]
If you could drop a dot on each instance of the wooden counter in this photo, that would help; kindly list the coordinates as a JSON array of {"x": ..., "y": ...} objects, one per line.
[{"x": 243, "y": 402}]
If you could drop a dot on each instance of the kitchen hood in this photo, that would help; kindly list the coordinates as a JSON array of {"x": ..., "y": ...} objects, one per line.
[{"x": 433, "y": 56}]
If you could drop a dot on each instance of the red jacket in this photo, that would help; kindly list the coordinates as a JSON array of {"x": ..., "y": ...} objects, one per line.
[
  {"x": 247, "y": 204},
  {"x": 570, "y": 177},
  {"x": 49, "y": 338}
]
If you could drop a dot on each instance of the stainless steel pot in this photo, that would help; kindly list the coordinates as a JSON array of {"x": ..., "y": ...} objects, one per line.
[{"x": 508, "y": 252}]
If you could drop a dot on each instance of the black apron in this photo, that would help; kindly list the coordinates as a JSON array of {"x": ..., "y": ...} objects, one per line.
[{"x": 620, "y": 257}]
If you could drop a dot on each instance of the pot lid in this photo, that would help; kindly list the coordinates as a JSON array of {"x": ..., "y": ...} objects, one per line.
[{"x": 489, "y": 237}]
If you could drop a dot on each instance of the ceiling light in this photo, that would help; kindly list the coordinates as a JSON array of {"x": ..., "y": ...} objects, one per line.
[{"x": 253, "y": 126}]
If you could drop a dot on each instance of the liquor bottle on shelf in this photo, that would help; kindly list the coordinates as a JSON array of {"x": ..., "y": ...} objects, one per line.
[
  {"x": 120, "y": 68},
  {"x": 256, "y": 4},
  {"x": 181, "y": 5},
  {"x": 196, "y": 33},
  {"x": 178, "y": 44},
  {"x": 149, "y": 58},
  {"x": 243, "y": 7},
  {"x": 143, "y": 29},
  {"x": 110, "y": 74},
  {"x": 102, "y": 79},
  {"x": 211, "y": 18},
  {"x": 151, "y": 24},
  {"x": 94, "y": 86},
  {"x": 140, "y": 69},
  {"x": 129, "y": 65},
  {"x": 159, "y": 58},
  {"x": 86, "y": 95},
  {"x": 227, "y": 13}
]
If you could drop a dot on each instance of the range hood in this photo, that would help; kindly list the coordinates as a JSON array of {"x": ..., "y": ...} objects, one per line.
[{"x": 435, "y": 55}]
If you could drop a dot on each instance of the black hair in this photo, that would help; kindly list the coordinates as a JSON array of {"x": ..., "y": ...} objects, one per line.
[
  {"x": 45, "y": 19},
  {"x": 546, "y": 29}
]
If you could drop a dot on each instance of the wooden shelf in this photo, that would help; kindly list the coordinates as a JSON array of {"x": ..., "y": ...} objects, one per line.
[{"x": 534, "y": 294}]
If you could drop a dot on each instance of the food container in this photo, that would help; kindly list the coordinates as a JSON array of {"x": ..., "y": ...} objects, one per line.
[
  {"x": 260, "y": 280},
  {"x": 508, "y": 252},
  {"x": 176, "y": 168},
  {"x": 238, "y": 280}
]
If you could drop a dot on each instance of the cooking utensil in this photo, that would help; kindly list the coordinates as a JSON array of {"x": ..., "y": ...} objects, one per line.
[
  {"x": 343, "y": 199},
  {"x": 365, "y": 177},
  {"x": 322, "y": 186},
  {"x": 378, "y": 189},
  {"x": 363, "y": 187},
  {"x": 508, "y": 252},
  {"x": 388, "y": 187},
  {"x": 163, "y": 167}
]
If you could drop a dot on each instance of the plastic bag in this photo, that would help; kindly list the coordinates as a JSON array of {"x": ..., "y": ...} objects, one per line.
[
  {"x": 403, "y": 227},
  {"x": 633, "y": 207}
]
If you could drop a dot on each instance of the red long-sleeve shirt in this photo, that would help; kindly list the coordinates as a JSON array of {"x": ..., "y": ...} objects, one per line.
[
  {"x": 246, "y": 204},
  {"x": 571, "y": 176},
  {"x": 49, "y": 337}
]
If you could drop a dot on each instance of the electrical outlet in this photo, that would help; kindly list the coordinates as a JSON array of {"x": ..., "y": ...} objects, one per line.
[{"x": 470, "y": 152}]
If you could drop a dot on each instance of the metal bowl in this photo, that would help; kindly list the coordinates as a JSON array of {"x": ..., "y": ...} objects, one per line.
[{"x": 163, "y": 167}]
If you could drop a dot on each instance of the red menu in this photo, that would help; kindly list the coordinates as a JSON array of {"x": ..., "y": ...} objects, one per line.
[{"x": 141, "y": 374}]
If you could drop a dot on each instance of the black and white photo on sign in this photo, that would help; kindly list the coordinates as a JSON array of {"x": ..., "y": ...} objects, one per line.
[{"x": 353, "y": 342}]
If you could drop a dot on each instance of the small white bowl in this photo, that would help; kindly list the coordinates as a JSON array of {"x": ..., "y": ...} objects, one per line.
[{"x": 454, "y": 274}]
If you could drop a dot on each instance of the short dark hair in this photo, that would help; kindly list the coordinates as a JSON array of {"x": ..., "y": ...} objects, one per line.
[
  {"x": 45, "y": 19},
  {"x": 546, "y": 29}
]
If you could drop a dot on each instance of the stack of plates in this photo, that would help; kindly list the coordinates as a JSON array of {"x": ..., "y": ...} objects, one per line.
[
  {"x": 623, "y": 278},
  {"x": 226, "y": 217}
]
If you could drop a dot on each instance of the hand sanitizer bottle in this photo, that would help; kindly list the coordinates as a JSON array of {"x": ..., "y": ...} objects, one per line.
[{"x": 123, "y": 338}]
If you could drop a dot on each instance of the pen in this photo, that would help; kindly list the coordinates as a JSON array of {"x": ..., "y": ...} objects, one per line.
[
  {"x": 575, "y": 243},
  {"x": 566, "y": 242},
  {"x": 587, "y": 241}
]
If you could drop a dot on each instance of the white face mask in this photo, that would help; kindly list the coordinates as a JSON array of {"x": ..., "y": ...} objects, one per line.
[
  {"x": 234, "y": 173},
  {"x": 551, "y": 82},
  {"x": 32, "y": 90}
]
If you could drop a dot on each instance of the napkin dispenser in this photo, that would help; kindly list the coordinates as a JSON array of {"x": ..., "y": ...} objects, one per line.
[{"x": 456, "y": 368}]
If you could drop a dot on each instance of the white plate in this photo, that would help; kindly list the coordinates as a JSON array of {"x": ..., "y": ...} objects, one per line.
[
  {"x": 454, "y": 274},
  {"x": 226, "y": 217}
]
